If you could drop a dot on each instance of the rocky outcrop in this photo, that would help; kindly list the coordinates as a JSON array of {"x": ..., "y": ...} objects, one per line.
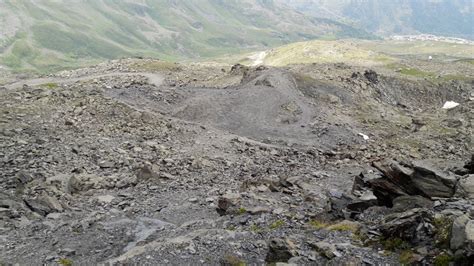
[
  {"x": 419, "y": 178},
  {"x": 279, "y": 250}
]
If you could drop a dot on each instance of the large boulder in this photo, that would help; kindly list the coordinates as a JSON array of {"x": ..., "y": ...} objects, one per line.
[
  {"x": 420, "y": 178},
  {"x": 462, "y": 239},
  {"x": 397, "y": 181},
  {"x": 414, "y": 225},
  {"x": 432, "y": 181},
  {"x": 228, "y": 204},
  {"x": 466, "y": 186},
  {"x": 404, "y": 203},
  {"x": 44, "y": 204}
]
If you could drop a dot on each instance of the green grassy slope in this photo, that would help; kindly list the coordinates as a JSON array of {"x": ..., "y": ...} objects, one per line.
[{"x": 49, "y": 35}]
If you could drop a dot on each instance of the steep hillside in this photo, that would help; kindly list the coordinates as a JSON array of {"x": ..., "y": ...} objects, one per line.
[
  {"x": 55, "y": 34},
  {"x": 440, "y": 17}
]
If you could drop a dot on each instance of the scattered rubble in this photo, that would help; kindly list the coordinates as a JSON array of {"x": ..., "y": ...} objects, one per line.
[{"x": 124, "y": 169}]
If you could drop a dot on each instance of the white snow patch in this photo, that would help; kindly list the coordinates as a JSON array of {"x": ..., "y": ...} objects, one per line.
[{"x": 450, "y": 105}]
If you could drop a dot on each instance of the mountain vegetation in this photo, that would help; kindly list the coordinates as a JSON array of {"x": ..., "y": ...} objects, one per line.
[{"x": 49, "y": 35}]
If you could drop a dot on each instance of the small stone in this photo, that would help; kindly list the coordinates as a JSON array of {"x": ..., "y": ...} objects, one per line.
[
  {"x": 262, "y": 188},
  {"x": 193, "y": 200},
  {"x": 278, "y": 211},
  {"x": 67, "y": 252},
  {"x": 54, "y": 216},
  {"x": 228, "y": 203},
  {"x": 106, "y": 198},
  {"x": 325, "y": 249},
  {"x": 106, "y": 164},
  {"x": 147, "y": 172}
]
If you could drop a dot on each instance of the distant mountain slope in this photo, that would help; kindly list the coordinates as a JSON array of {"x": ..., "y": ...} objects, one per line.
[
  {"x": 453, "y": 18},
  {"x": 42, "y": 34}
]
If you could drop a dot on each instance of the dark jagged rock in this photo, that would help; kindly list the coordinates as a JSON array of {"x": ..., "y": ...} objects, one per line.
[
  {"x": 337, "y": 205},
  {"x": 421, "y": 178},
  {"x": 279, "y": 250},
  {"x": 404, "y": 203},
  {"x": 239, "y": 69},
  {"x": 414, "y": 225},
  {"x": 44, "y": 204},
  {"x": 470, "y": 165},
  {"x": 432, "y": 181},
  {"x": 371, "y": 76},
  {"x": 228, "y": 204}
]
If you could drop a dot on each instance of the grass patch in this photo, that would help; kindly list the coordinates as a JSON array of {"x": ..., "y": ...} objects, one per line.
[
  {"x": 277, "y": 224},
  {"x": 51, "y": 36},
  {"x": 416, "y": 73},
  {"x": 395, "y": 243},
  {"x": 232, "y": 260},
  {"x": 50, "y": 85},
  {"x": 406, "y": 257},
  {"x": 65, "y": 262},
  {"x": 241, "y": 211},
  {"x": 443, "y": 227},
  {"x": 255, "y": 228},
  {"x": 443, "y": 259},
  {"x": 324, "y": 51},
  {"x": 344, "y": 226},
  {"x": 318, "y": 224}
]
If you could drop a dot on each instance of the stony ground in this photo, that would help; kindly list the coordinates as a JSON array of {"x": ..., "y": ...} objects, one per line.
[{"x": 147, "y": 162}]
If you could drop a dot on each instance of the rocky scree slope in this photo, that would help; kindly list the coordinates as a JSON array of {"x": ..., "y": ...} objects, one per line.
[{"x": 120, "y": 169}]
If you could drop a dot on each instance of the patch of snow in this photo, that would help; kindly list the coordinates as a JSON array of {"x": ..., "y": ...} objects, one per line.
[
  {"x": 450, "y": 105},
  {"x": 364, "y": 136}
]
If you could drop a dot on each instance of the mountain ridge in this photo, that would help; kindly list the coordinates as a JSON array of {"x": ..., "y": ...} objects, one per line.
[
  {"x": 47, "y": 34},
  {"x": 450, "y": 18}
]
